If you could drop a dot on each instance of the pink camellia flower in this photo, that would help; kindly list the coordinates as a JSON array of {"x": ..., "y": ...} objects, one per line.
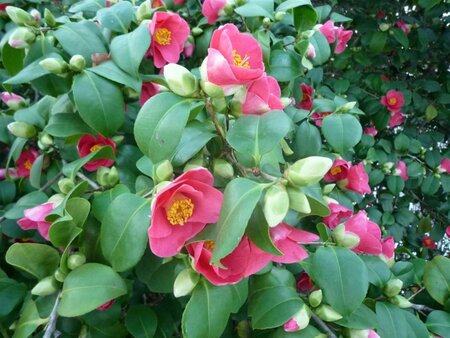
[
  {"x": 234, "y": 59},
  {"x": 402, "y": 170},
  {"x": 11, "y": 173},
  {"x": 148, "y": 90},
  {"x": 307, "y": 97},
  {"x": 328, "y": 30},
  {"x": 368, "y": 232},
  {"x": 298, "y": 321},
  {"x": 169, "y": 32},
  {"x": 357, "y": 180},
  {"x": 311, "y": 51},
  {"x": 342, "y": 37},
  {"x": 243, "y": 261},
  {"x": 189, "y": 47},
  {"x": 35, "y": 218},
  {"x": 88, "y": 144},
  {"x": 291, "y": 326},
  {"x": 372, "y": 131},
  {"x": 388, "y": 248},
  {"x": 106, "y": 306},
  {"x": 447, "y": 231},
  {"x": 25, "y": 162},
  {"x": 13, "y": 101},
  {"x": 182, "y": 209},
  {"x": 406, "y": 28},
  {"x": 287, "y": 239},
  {"x": 338, "y": 171},
  {"x": 427, "y": 242},
  {"x": 396, "y": 119},
  {"x": 211, "y": 9},
  {"x": 393, "y": 101},
  {"x": 304, "y": 283},
  {"x": 318, "y": 117},
  {"x": 444, "y": 167},
  {"x": 337, "y": 215},
  {"x": 262, "y": 95}
]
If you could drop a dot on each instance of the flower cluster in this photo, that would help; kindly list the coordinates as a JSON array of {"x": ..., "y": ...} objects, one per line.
[
  {"x": 348, "y": 177},
  {"x": 336, "y": 34}
]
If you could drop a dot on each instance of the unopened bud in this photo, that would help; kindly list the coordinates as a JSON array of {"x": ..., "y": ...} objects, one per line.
[
  {"x": 50, "y": 19},
  {"x": 298, "y": 201},
  {"x": 21, "y": 37},
  {"x": 223, "y": 169},
  {"x": 353, "y": 333},
  {"x": 36, "y": 15},
  {"x": 55, "y": 66},
  {"x": 279, "y": 16},
  {"x": 196, "y": 31},
  {"x": 144, "y": 11},
  {"x": 77, "y": 63},
  {"x": 393, "y": 287},
  {"x": 107, "y": 177},
  {"x": 65, "y": 185},
  {"x": 267, "y": 22},
  {"x": 13, "y": 101},
  {"x": 76, "y": 260},
  {"x": 299, "y": 320},
  {"x": 286, "y": 101},
  {"x": 45, "y": 139},
  {"x": 19, "y": 16},
  {"x": 328, "y": 188},
  {"x": 59, "y": 275},
  {"x": 189, "y": 47},
  {"x": 387, "y": 167},
  {"x": 346, "y": 107},
  {"x": 308, "y": 171},
  {"x": 315, "y": 298},
  {"x": 195, "y": 163},
  {"x": 219, "y": 104},
  {"x": 113, "y": 176},
  {"x": 185, "y": 282},
  {"x": 384, "y": 27},
  {"x": 286, "y": 149},
  {"x": 180, "y": 80},
  {"x": 22, "y": 129},
  {"x": 276, "y": 204},
  {"x": 164, "y": 171},
  {"x": 345, "y": 239},
  {"x": 45, "y": 287},
  {"x": 327, "y": 313},
  {"x": 400, "y": 301}
]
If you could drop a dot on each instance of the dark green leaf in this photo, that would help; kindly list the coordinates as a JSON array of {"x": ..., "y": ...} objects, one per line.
[
  {"x": 141, "y": 321},
  {"x": 342, "y": 131},
  {"x": 437, "y": 278}
]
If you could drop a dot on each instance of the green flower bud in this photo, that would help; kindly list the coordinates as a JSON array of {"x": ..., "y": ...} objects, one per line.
[
  {"x": 228, "y": 9},
  {"x": 286, "y": 101},
  {"x": 76, "y": 260},
  {"x": 219, "y": 104},
  {"x": 235, "y": 108},
  {"x": 223, "y": 169},
  {"x": 345, "y": 239},
  {"x": 55, "y": 66},
  {"x": 185, "y": 282},
  {"x": 164, "y": 171},
  {"x": 298, "y": 201},
  {"x": 59, "y": 275},
  {"x": 194, "y": 163},
  {"x": 267, "y": 22},
  {"x": 279, "y": 16},
  {"x": 65, "y": 185},
  {"x": 45, "y": 287},
  {"x": 393, "y": 287},
  {"x": 113, "y": 177},
  {"x": 22, "y": 129},
  {"x": 50, "y": 19},
  {"x": 21, "y": 37},
  {"x": 327, "y": 313},
  {"x": 19, "y": 16},
  {"x": 400, "y": 301},
  {"x": 180, "y": 80},
  {"x": 36, "y": 15},
  {"x": 328, "y": 188},
  {"x": 45, "y": 139},
  {"x": 196, "y": 31},
  {"x": 276, "y": 204},
  {"x": 144, "y": 11},
  {"x": 77, "y": 63},
  {"x": 346, "y": 107},
  {"x": 308, "y": 171},
  {"x": 384, "y": 26},
  {"x": 315, "y": 298}
]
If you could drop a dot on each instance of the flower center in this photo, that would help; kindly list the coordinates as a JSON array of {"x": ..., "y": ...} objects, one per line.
[
  {"x": 180, "y": 211},
  {"x": 28, "y": 165},
  {"x": 392, "y": 100},
  {"x": 209, "y": 245},
  {"x": 94, "y": 148},
  {"x": 239, "y": 61},
  {"x": 336, "y": 170},
  {"x": 163, "y": 36}
]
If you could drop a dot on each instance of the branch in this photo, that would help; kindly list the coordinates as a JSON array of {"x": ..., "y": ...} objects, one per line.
[
  {"x": 322, "y": 325},
  {"x": 92, "y": 184},
  {"x": 210, "y": 110},
  {"x": 51, "y": 326},
  {"x": 420, "y": 307},
  {"x": 50, "y": 183}
]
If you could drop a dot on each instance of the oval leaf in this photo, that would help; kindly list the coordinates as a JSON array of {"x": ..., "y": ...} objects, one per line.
[
  {"x": 141, "y": 321},
  {"x": 437, "y": 278},
  {"x": 342, "y": 131}
]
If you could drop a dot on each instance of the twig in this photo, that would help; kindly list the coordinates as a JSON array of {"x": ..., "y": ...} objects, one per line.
[
  {"x": 50, "y": 183},
  {"x": 210, "y": 110},
  {"x": 420, "y": 307},
  {"x": 93, "y": 185},
  {"x": 416, "y": 293},
  {"x": 51, "y": 326},
  {"x": 323, "y": 326}
]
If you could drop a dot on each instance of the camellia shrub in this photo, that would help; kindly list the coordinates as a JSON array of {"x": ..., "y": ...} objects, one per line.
[{"x": 225, "y": 168}]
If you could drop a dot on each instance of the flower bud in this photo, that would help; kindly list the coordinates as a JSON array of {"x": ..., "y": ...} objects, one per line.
[
  {"x": 346, "y": 107},
  {"x": 36, "y": 15},
  {"x": 164, "y": 171},
  {"x": 189, "y": 47},
  {"x": 180, "y": 80},
  {"x": 13, "y": 101},
  {"x": 298, "y": 201},
  {"x": 185, "y": 282},
  {"x": 299, "y": 320},
  {"x": 22, "y": 129},
  {"x": 286, "y": 149},
  {"x": 223, "y": 169},
  {"x": 276, "y": 204},
  {"x": 219, "y": 104},
  {"x": 77, "y": 63},
  {"x": 384, "y": 26},
  {"x": 59, "y": 275},
  {"x": 55, "y": 66},
  {"x": 279, "y": 16},
  {"x": 45, "y": 139},
  {"x": 21, "y": 37},
  {"x": 196, "y": 31},
  {"x": 315, "y": 298},
  {"x": 286, "y": 101},
  {"x": 328, "y": 188},
  {"x": 113, "y": 176},
  {"x": 102, "y": 176},
  {"x": 76, "y": 260},
  {"x": 228, "y": 9},
  {"x": 345, "y": 239},
  {"x": 308, "y": 171},
  {"x": 19, "y": 16},
  {"x": 50, "y": 19},
  {"x": 388, "y": 166},
  {"x": 194, "y": 163},
  {"x": 393, "y": 287},
  {"x": 400, "y": 301},
  {"x": 144, "y": 11},
  {"x": 45, "y": 287},
  {"x": 327, "y": 313},
  {"x": 65, "y": 185},
  {"x": 267, "y": 22},
  {"x": 367, "y": 333}
]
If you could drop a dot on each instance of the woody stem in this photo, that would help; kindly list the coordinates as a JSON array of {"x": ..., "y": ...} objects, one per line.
[{"x": 323, "y": 326}]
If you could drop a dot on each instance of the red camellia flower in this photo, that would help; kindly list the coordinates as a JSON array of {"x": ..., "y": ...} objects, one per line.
[
  {"x": 328, "y": 30},
  {"x": 357, "y": 180},
  {"x": 243, "y": 261},
  {"x": 25, "y": 162},
  {"x": 234, "y": 59},
  {"x": 393, "y": 101},
  {"x": 35, "y": 218},
  {"x": 406, "y": 28},
  {"x": 181, "y": 210},
  {"x": 148, "y": 90},
  {"x": 318, "y": 117},
  {"x": 396, "y": 119},
  {"x": 368, "y": 232},
  {"x": 447, "y": 231},
  {"x": 212, "y": 8},
  {"x": 307, "y": 97},
  {"x": 88, "y": 144},
  {"x": 342, "y": 37},
  {"x": 402, "y": 170},
  {"x": 372, "y": 131},
  {"x": 169, "y": 32},
  {"x": 106, "y": 306},
  {"x": 337, "y": 215},
  {"x": 427, "y": 242},
  {"x": 262, "y": 95},
  {"x": 444, "y": 167},
  {"x": 338, "y": 171},
  {"x": 304, "y": 283},
  {"x": 388, "y": 247}
]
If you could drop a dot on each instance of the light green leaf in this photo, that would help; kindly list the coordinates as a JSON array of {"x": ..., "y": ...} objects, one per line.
[
  {"x": 118, "y": 17},
  {"x": 438, "y": 322},
  {"x": 71, "y": 169},
  {"x": 307, "y": 140},
  {"x": 36, "y": 171},
  {"x": 284, "y": 66},
  {"x": 437, "y": 278},
  {"x": 66, "y": 125},
  {"x": 110, "y": 71},
  {"x": 29, "y": 320},
  {"x": 342, "y": 131}
]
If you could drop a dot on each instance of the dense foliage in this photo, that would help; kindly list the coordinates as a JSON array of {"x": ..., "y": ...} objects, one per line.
[{"x": 225, "y": 168}]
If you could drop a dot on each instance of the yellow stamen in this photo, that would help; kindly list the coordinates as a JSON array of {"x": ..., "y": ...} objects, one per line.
[
  {"x": 163, "y": 36},
  {"x": 94, "y": 148},
  {"x": 28, "y": 165},
  {"x": 392, "y": 100},
  {"x": 180, "y": 211},
  {"x": 239, "y": 61},
  {"x": 336, "y": 170},
  {"x": 209, "y": 245}
]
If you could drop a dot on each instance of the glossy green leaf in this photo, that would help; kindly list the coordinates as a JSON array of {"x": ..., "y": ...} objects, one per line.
[
  {"x": 29, "y": 320},
  {"x": 258, "y": 232},
  {"x": 252, "y": 8},
  {"x": 141, "y": 321},
  {"x": 307, "y": 140},
  {"x": 378, "y": 42},
  {"x": 378, "y": 271},
  {"x": 71, "y": 169},
  {"x": 437, "y": 278},
  {"x": 305, "y": 17},
  {"x": 322, "y": 48},
  {"x": 110, "y": 71},
  {"x": 11, "y": 295},
  {"x": 66, "y": 125},
  {"x": 401, "y": 37},
  {"x": 438, "y": 322},
  {"x": 12, "y": 59},
  {"x": 391, "y": 322},
  {"x": 102, "y": 200},
  {"x": 360, "y": 319},
  {"x": 395, "y": 184},
  {"x": 284, "y": 66},
  {"x": 342, "y": 131},
  {"x": 36, "y": 171},
  {"x": 117, "y": 17}
]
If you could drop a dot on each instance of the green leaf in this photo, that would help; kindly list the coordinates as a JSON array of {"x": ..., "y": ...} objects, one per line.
[
  {"x": 430, "y": 185},
  {"x": 110, "y": 71},
  {"x": 378, "y": 42},
  {"x": 39, "y": 260},
  {"x": 284, "y": 66},
  {"x": 124, "y": 234},
  {"x": 88, "y": 287},
  {"x": 427, "y": 4},
  {"x": 36, "y": 171},
  {"x": 258, "y": 232},
  {"x": 401, "y": 37},
  {"x": 307, "y": 140},
  {"x": 362, "y": 318},
  {"x": 322, "y": 48},
  {"x": 342, "y": 276},
  {"x": 437, "y": 278},
  {"x": 26, "y": 202},
  {"x": 391, "y": 322},
  {"x": 102, "y": 200},
  {"x": 259, "y": 134},
  {"x": 66, "y": 125},
  {"x": 342, "y": 131},
  {"x": 128, "y": 50},
  {"x": 438, "y": 322},
  {"x": 273, "y": 299},
  {"x": 29, "y": 320},
  {"x": 254, "y": 8},
  {"x": 240, "y": 198},
  {"x": 99, "y": 102},
  {"x": 160, "y": 124},
  {"x": 72, "y": 168},
  {"x": 141, "y": 321},
  {"x": 395, "y": 184},
  {"x": 12, "y": 59},
  {"x": 378, "y": 271},
  {"x": 11, "y": 295},
  {"x": 289, "y": 4},
  {"x": 118, "y": 17},
  {"x": 305, "y": 17}
]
